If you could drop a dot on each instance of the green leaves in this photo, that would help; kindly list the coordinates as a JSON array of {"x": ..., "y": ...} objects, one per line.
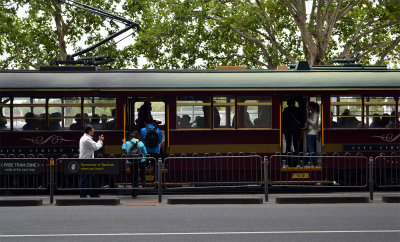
[{"x": 203, "y": 33}]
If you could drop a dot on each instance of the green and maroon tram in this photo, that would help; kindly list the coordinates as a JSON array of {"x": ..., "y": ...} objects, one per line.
[{"x": 201, "y": 111}]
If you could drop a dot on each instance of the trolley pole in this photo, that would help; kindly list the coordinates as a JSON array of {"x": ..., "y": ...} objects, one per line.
[
  {"x": 266, "y": 178},
  {"x": 51, "y": 181},
  {"x": 159, "y": 180},
  {"x": 371, "y": 178}
]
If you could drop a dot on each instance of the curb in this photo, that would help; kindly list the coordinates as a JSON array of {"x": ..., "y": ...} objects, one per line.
[
  {"x": 20, "y": 202},
  {"x": 88, "y": 201},
  {"x": 215, "y": 200},
  {"x": 391, "y": 199},
  {"x": 307, "y": 200}
]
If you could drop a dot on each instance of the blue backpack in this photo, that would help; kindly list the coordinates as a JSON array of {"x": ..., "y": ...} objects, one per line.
[{"x": 151, "y": 140}]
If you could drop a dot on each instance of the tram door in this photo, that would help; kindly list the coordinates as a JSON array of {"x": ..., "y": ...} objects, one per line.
[
  {"x": 136, "y": 114},
  {"x": 300, "y": 116}
]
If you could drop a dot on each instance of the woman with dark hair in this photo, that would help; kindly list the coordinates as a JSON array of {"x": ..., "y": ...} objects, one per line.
[
  {"x": 143, "y": 112},
  {"x": 312, "y": 129}
]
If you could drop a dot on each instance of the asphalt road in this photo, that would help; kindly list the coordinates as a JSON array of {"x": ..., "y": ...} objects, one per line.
[{"x": 264, "y": 222}]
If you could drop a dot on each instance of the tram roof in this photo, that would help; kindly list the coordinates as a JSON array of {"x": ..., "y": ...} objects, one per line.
[{"x": 200, "y": 80}]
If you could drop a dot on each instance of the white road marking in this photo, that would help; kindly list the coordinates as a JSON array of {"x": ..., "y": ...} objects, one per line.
[{"x": 199, "y": 233}]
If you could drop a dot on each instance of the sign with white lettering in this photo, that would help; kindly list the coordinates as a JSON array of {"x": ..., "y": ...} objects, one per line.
[
  {"x": 45, "y": 150},
  {"x": 91, "y": 166},
  {"x": 21, "y": 166},
  {"x": 371, "y": 147}
]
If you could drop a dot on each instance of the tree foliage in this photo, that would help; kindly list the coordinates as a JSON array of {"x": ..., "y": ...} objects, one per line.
[
  {"x": 33, "y": 33},
  {"x": 256, "y": 33},
  {"x": 206, "y": 33}
]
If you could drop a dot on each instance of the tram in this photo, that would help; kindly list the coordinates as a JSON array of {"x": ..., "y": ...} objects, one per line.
[{"x": 200, "y": 111}]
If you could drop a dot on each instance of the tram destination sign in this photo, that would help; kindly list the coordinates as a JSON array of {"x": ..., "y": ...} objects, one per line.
[
  {"x": 21, "y": 166},
  {"x": 91, "y": 166},
  {"x": 371, "y": 147}
]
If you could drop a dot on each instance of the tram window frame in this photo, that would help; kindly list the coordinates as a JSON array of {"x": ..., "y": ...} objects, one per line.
[
  {"x": 17, "y": 103},
  {"x": 68, "y": 117},
  {"x": 221, "y": 102},
  {"x": 194, "y": 101},
  {"x": 350, "y": 101},
  {"x": 52, "y": 105},
  {"x": 257, "y": 102},
  {"x": 156, "y": 104},
  {"x": 92, "y": 103},
  {"x": 5, "y": 108},
  {"x": 379, "y": 104}
]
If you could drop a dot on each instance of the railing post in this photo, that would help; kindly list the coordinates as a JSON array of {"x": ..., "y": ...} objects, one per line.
[
  {"x": 371, "y": 178},
  {"x": 159, "y": 180},
  {"x": 266, "y": 178},
  {"x": 51, "y": 180}
]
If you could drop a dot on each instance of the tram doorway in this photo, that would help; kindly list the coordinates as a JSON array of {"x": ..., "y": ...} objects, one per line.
[
  {"x": 138, "y": 108},
  {"x": 294, "y": 124}
]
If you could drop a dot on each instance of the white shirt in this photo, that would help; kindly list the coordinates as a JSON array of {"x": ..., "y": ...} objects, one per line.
[
  {"x": 313, "y": 124},
  {"x": 87, "y": 146}
]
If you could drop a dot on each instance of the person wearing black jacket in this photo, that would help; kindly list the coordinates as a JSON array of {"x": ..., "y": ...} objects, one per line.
[{"x": 291, "y": 125}]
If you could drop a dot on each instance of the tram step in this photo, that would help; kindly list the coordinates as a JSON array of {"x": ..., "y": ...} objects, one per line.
[
  {"x": 301, "y": 169},
  {"x": 153, "y": 184},
  {"x": 301, "y": 182},
  {"x": 148, "y": 171}
]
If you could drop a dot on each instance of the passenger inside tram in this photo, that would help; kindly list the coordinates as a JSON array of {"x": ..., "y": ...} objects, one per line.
[
  {"x": 385, "y": 120},
  {"x": 31, "y": 122},
  {"x": 143, "y": 112},
  {"x": 103, "y": 121},
  {"x": 3, "y": 122},
  {"x": 185, "y": 121},
  {"x": 95, "y": 122},
  {"x": 392, "y": 121},
  {"x": 346, "y": 121},
  {"x": 376, "y": 121},
  {"x": 54, "y": 122},
  {"x": 77, "y": 124},
  {"x": 112, "y": 123}
]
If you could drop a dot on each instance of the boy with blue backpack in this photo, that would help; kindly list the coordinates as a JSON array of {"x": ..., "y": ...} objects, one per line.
[
  {"x": 135, "y": 149},
  {"x": 152, "y": 137}
]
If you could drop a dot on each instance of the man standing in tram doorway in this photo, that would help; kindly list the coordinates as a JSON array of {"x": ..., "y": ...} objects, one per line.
[
  {"x": 87, "y": 147},
  {"x": 291, "y": 125}
]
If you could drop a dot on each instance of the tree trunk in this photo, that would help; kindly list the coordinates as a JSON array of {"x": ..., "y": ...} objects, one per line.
[{"x": 60, "y": 34}]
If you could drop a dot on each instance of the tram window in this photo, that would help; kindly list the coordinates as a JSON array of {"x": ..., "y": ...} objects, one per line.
[
  {"x": 157, "y": 111},
  {"x": 224, "y": 111},
  {"x": 193, "y": 112},
  {"x": 380, "y": 112},
  {"x": 346, "y": 112},
  {"x": 5, "y": 123},
  {"x": 254, "y": 112},
  {"x": 100, "y": 112},
  {"x": 63, "y": 112},
  {"x": 29, "y": 113}
]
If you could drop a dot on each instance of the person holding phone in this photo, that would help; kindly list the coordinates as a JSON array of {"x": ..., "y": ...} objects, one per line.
[{"x": 87, "y": 147}]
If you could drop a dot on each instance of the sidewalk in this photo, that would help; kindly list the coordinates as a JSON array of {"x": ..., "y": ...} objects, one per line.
[{"x": 149, "y": 200}]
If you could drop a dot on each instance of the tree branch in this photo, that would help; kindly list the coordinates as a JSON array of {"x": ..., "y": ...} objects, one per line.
[
  {"x": 248, "y": 38},
  {"x": 355, "y": 39},
  {"x": 388, "y": 50},
  {"x": 272, "y": 37},
  {"x": 301, "y": 22},
  {"x": 368, "y": 49}
]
